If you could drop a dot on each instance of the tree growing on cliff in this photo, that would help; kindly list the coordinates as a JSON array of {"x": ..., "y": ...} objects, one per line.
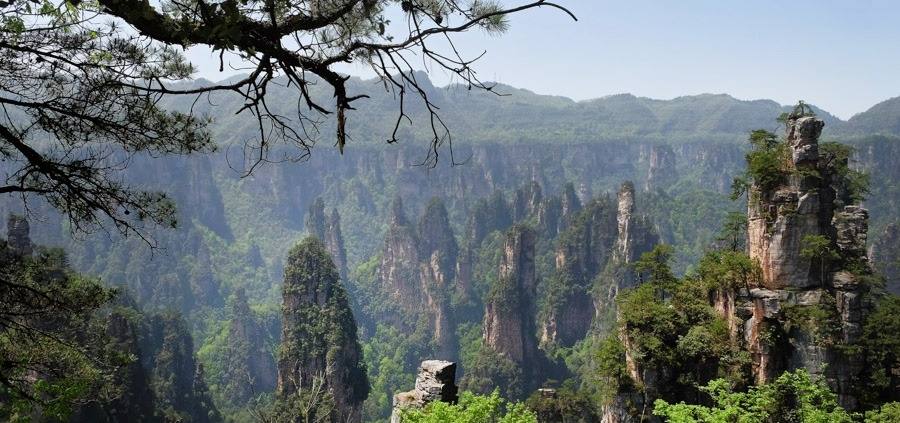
[
  {"x": 818, "y": 248},
  {"x": 82, "y": 82}
]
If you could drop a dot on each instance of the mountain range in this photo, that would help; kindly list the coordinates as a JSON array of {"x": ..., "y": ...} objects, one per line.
[{"x": 510, "y": 115}]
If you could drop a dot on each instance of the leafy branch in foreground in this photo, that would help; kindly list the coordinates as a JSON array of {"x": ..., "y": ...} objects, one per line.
[
  {"x": 81, "y": 84},
  {"x": 53, "y": 354}
]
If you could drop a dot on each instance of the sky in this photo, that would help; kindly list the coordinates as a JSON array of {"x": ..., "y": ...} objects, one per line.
[{"x": 843, "y": 56}]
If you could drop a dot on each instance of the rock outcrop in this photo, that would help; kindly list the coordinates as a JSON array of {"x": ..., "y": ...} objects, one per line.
[
  {"x": 662, "y": 167},
  {"x": 885, "y": 256},
  {"x": 527, "y": 201},
  {"x": 319, "y": 338},
  {"x": 438, "y": 253},
  {"x": 17, "y": 235},
  {"x": 582, "y": 252},
  {"x": 418, "y": 273},
  {"x": 635, "y": 235},
  {"x": 249, "y": 367},
  {"x": 327, "y": 227},
  {"x": 509, "y": 310},
  {"x": 796, "y": 277},
  {"x": 436, "y": 381}
]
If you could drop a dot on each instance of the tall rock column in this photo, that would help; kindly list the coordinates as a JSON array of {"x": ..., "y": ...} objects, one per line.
[
  {"x": 17, "y": 235},
  {"x": 782, "y": 218},
  {"x": 662, "y": 167},
  {"x": 635, "y": 235},
  {"x": 438, "y": 252},
  {"x": 327, "y": 227},
  {"x": 582, "y": 251},
  {"x": 509, "y": 312},
  {"x": 779, "y": 219},
  {"x": 319, "y": 333}
]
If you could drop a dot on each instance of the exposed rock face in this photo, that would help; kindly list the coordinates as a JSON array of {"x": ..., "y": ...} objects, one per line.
[
  {"x": 662, "y": 167},
  {"x": 334, "y": 242},
  {"x": 399, "y": 268},
  {"x": 885, "y": 256},
  {"x": 635, "y": 235},
  {"x": 779, "y": 221},
  {"x": 328, "y": 229},
  {"x": 17, "y": 235},
  {"x": 488, "y": 215},
  {"x": 135, "y": 403},
  {"x": 508, "y": 317},
  {"x": 319, "y": 332},
  {"x": 570, "y": 206},
  {"x": 583, "y": 251},
  {"x": 178, "y": 378},
  {"x": 527, "y": 201},
  {"x": 436, "y": 381},
  {"x": 438, "y": 257},
  {"x": 418, "y": 268},
  {"x": 250, "y": 368}
]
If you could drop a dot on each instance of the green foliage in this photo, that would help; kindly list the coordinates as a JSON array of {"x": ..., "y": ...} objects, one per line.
[
  {"x": 820, "y": 320},
  {"x": 729, "y": 270},
  {"x": 793, "y": 397},
  {"x": 671, "y": 327},
  {"x": 817, "y": 247},
  {"x": 654, "y": 267},
  {"x": 310, "y": 402},
  {"x": 566, "y": 405},
  {"x": 734, "y": 231},
  {"x": 318, "y": 324},
  {"x": 392, "y": 359},
  {"x": 610, "y": 368},
  {"x": 852, "y": 184},
  {"x": 882, "y": 350},
  {"x": 489, "y": 370},
  {"x": 472, "y": 408},
  {"x": 53, "y": 345},
  {"x": 766, "y": 162},
  {"x": 820, "y": 249},
  {"x": 888, "y": 413}
]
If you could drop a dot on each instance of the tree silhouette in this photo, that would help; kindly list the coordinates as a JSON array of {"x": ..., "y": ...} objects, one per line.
[{"x": 81, "y": 82}]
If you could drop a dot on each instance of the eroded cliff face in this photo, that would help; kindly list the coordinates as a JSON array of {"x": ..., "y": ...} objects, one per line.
[
  {"x": 250, "y": 366},
  {"x": 418, "y": 275},
  {"x": 399, "y": 267},
  {"x": 662, "y": 171},
  {"x": 885, "y": 256},
  {"x": 798, "y": 278},
  {"x": 327, "y": 227},
  {"x": 509, "y": 311},
  {"x": 435, "y": 381},
  {"x": 319, "y": 337},
  {"x": 582, "y": 252},
  {"x": 18, "y": 237},
  {"x": 635, "y": 235}
]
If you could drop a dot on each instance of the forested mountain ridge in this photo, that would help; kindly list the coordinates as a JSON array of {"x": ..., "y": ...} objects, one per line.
[{"x": 512, "y": 115}]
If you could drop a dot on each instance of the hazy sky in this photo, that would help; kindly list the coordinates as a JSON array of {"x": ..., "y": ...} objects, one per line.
[{"x": 843, "y": 56}]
